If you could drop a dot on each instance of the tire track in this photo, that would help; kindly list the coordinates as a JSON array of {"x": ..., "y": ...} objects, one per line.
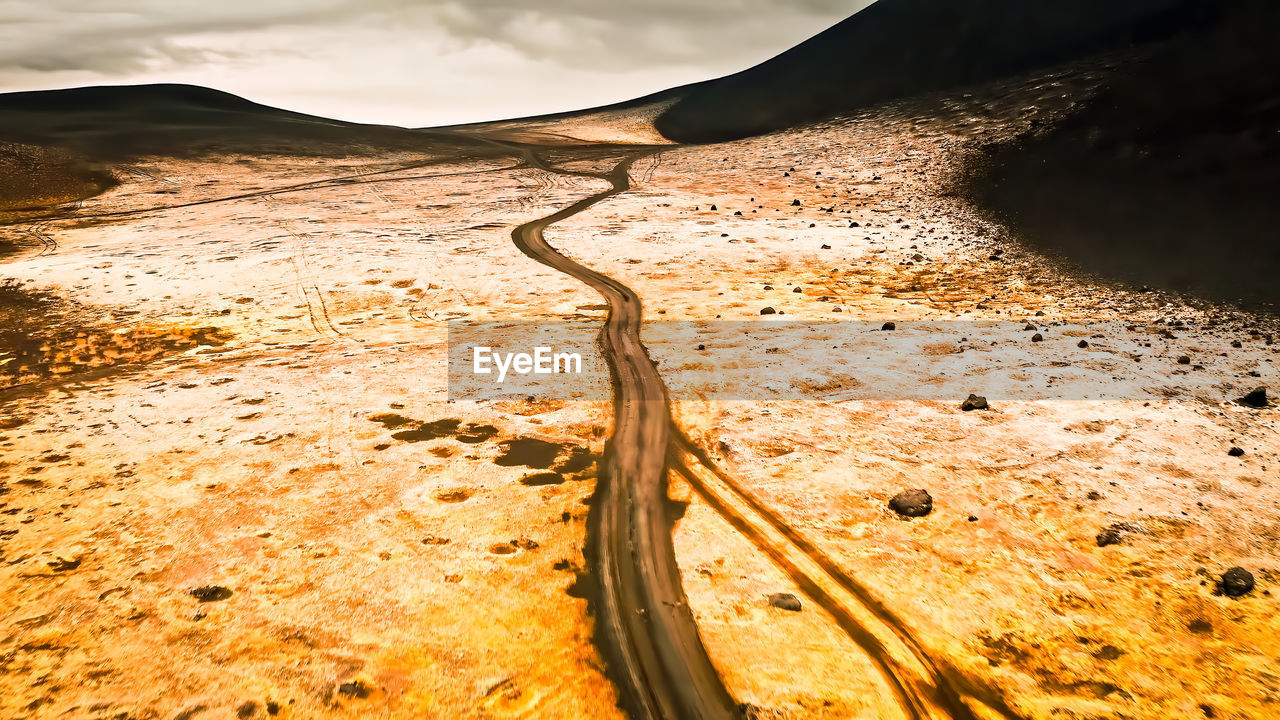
[
  {"x": 643, "y": 622},
  {"x": 926, "y": 686}
]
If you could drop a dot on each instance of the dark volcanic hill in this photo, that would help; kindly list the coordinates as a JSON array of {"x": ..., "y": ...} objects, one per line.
[
  {"x": 118, "y": 122},
  {"x": 900, "y": 48},
  {"x": 1168, "y": 177}
]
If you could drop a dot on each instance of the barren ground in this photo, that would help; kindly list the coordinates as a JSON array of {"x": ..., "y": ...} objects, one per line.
[{"x": 249, "y": 397}]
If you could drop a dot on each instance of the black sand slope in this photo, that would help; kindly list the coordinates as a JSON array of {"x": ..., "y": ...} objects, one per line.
[
  {"x": 110, "y": 123},
  {"x": 1170, "y": 178},
  {"x": 900, "y": 48}
]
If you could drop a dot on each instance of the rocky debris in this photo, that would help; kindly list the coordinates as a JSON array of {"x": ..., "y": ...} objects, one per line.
[
  {"x": 797, "y": 290},
  {"x": 974, "y": 402},
  {"x": 889, "y": 326},
  {"x": 1083, "y": 344},
  {"x": 795, "y": 203},
  {"x": 1184, "y": 359},
  {"x": 435, "y": 540},
  {"x": 1030, "y": 328},
  {"x": 210, "y": 593},
  {"x": 354, "y": 689},
  {"x": 1037, "y": 338},
  {"x": 912, "y": 503},
  {"x": 1257, "y": 398},
  {"x": 1110, "y": 536},
  {"x": 1236, "y": 452},
  {"x": 768, "y": 311},
  {"x": 1236, "y": 582},
  {"x": 785, "y": 601}
]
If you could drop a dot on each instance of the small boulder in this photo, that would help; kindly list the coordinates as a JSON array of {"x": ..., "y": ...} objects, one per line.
[
  {"x": 1257, "y": 398},
  {"x": 889, "y": 326},
  {"x": 210, "y": 593},
  {"x": 974, "y": 402},
  {"x": 1109, "y": 536},
  {"x": 785, "y": 601},
  {"x": 1236, "y": 582},
  {"x": 1236, "y": 452},
  {"x": 768, "y": 311},
  {"x": 912, "y": 503}
]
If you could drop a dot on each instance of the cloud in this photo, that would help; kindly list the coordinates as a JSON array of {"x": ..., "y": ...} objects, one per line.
[{"x": 401, "y": 46}]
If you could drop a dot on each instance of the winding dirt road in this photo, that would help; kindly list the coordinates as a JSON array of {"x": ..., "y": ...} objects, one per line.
[{"x": 643, "y": 621}]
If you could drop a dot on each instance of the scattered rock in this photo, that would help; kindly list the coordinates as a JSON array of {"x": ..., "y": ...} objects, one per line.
[
  {"x": 974, "y": 402},
  {"x": 912, "y": 503},
  {"x": 1235, "y": 452},
  {"x": 1236, "y": 582},
  {"x": 768, "y": 311},
  {"x": 354, "y": 689},
  {"x": 889, "y": 326},
  {"x": 210, "y": 593},
  {"x": 795, "y": 203},
  {"x": 1037, "y": 338},
  {"x": 785, "y": 601},
  {"x": 435, "y": 540},
  {"x": 1257, "y": 398},
  {"x": 1083, "y": 344},
  {"x": 1110, "y": 536}
]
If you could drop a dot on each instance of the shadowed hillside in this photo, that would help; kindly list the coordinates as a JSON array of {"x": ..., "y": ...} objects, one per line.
[
  {"x": 900, "y": 48},
  {"x": 1168, "y": 178}
]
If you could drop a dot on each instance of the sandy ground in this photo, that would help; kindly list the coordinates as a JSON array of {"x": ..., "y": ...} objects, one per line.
[{"x": 234, "y": 484}]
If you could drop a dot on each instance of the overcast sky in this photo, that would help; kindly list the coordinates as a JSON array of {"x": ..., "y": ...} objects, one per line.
[{"x": 404, "y": 62}]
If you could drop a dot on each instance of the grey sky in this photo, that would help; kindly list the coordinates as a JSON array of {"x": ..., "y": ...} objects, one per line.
[{"x": 408, "y": 62}]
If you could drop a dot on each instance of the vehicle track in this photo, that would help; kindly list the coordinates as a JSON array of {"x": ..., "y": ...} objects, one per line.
[{"x": 643, "y": 620}]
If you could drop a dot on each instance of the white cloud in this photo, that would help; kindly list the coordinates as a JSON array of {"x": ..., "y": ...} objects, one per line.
[{"x": 412, "y": 63}]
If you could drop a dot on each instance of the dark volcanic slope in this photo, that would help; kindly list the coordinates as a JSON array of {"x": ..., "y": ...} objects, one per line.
[
  {"x": 1169, "y": 176},
  {"x": 119, "y": 122},
  {"x": 899, "y": 48}
]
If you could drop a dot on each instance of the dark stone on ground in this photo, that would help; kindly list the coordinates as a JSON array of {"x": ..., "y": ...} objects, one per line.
[
  {"x": 912, "y": 503},
  {"x": 1235, "y": 452},
  {"x": 889, "y": 326},
  {"x": 1110, "y": 536},
  {"x": 974, "y": 402},
  {"x": 768, "y": 311},
  {"x": 785, "y": 601},
  {"x": 353, "y": 689},
  {"x": 1236, "y": 582},
  {"x": 1256, "y": 398},
  {"x": 210, "y": 593}
]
